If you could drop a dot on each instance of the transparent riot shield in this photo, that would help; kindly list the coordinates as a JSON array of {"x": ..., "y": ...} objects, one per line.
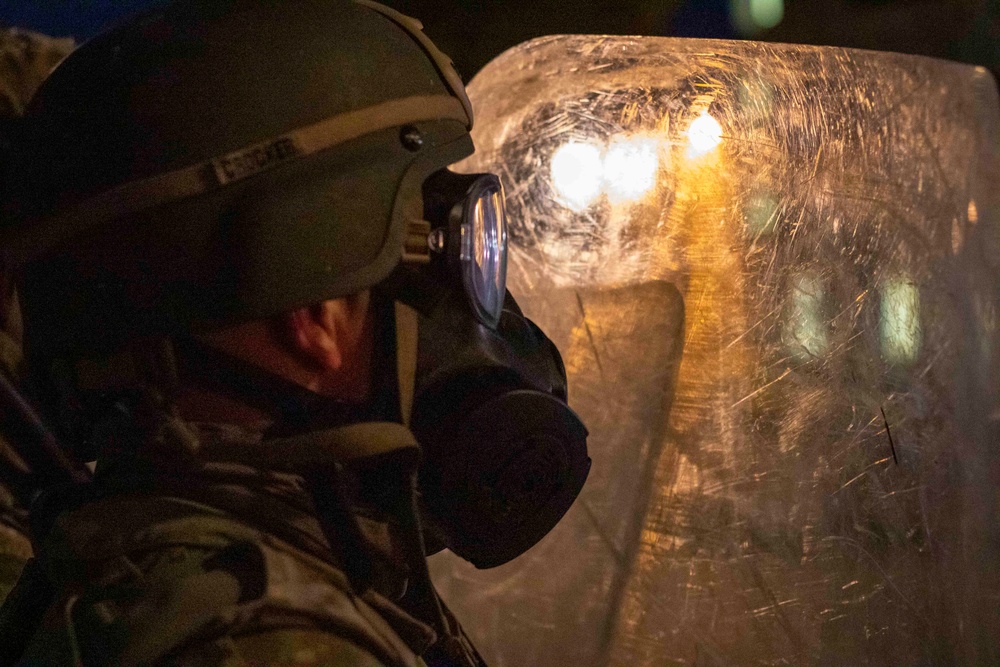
[{"x": 774, "y": 273}]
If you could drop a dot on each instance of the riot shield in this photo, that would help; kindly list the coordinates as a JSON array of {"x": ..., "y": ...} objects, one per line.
[{"x": 773, "y": 273}]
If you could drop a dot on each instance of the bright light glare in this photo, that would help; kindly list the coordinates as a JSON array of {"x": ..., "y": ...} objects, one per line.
[
  {"x": 577, "y": 173},
  {"x": 900, "y": 322},
  {"x": 704, "y": 135},
  {"x": 973, "y": 212},
  {"x": 767, "y": 13},
  {"x": 630, "y": 168}
]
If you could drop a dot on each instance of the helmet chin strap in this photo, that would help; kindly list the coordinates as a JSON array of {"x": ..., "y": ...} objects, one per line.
[
  {"x": 453, "y": 647},
  {"x": 406, "y": 358}
]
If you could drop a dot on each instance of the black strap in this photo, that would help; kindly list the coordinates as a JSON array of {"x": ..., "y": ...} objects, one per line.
[
  {"x": 341, "y": 528},
  {"x": 34, "y": 442}
]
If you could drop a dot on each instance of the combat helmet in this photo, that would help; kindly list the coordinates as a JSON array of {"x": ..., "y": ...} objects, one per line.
[{"x": 214, "y": 162}]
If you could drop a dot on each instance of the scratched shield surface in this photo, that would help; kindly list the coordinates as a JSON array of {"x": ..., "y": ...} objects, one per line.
[{"x": 773, "y": 273}]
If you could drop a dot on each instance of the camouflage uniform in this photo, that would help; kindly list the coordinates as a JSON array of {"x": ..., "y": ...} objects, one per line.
[
  {"x": 212, "y": 564},
  {"x": 26, "y": 58}
]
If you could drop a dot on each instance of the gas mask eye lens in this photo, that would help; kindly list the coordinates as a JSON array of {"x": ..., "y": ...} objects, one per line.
[
  {"x": 484, "y": 248},
  {"x": 468, "y": 219}
]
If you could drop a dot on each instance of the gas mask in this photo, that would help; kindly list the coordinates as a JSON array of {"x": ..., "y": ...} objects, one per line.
[{"x": 504, "y": 456}]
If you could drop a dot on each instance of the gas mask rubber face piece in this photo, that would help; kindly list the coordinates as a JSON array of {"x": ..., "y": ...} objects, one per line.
[{"x": 504, "y": 455}]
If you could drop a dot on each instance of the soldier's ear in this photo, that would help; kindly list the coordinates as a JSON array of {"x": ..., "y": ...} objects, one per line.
[
  {"x": 314, "y": 333},
  {"x": 335, "y": 341}
]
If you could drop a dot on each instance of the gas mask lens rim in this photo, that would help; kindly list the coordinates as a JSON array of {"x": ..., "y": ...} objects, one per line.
[{"x": 483, "y": 256}]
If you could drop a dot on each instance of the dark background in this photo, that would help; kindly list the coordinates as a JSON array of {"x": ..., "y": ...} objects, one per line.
[{"x": 474, "y": 31}]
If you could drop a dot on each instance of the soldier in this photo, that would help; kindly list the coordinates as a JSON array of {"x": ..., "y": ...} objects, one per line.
[
  {"x": 251, "y": 286},
  {"x": 26, "y": 58}
]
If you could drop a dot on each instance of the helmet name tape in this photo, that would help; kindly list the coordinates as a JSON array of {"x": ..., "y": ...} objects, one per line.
[{"x": 245, "y": 163}]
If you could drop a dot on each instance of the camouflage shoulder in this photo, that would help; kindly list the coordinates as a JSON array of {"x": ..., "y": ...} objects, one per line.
[
  {"x": 26, "y": 58},
  {"x": 292, "y": 647}
]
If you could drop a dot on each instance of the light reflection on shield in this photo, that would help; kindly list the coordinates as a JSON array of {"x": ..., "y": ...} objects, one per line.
[{"x": 772, "y": 273}]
